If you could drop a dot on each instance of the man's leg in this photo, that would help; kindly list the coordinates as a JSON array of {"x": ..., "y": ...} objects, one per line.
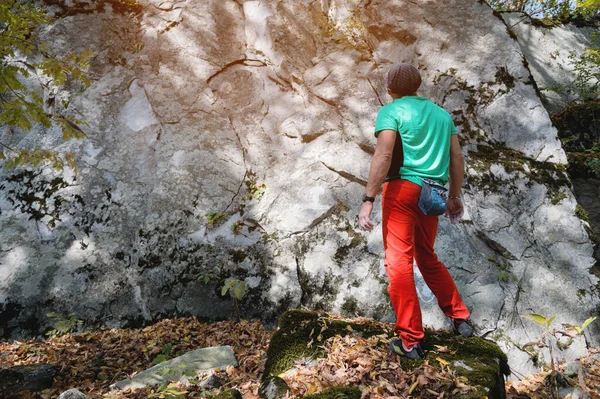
[
  {"x": 398, "y": 233},
  {"x": 434, "y": 272}
]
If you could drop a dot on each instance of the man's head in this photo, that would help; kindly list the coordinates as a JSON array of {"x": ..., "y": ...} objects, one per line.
[{"x": 403, "y": 80}]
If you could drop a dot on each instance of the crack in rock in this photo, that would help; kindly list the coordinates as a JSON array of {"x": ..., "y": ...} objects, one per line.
[
  {"x": 495, "y": 246},
  {"x": 346, "y": 175},
  {"x": 375, "y": 91},
  {"x": 243, "y": 61},
  {"x": 239, "y": 189}
]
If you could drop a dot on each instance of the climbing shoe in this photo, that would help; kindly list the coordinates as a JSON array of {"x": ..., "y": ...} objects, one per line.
[
  {"x": 415, "y": 353},
  {"x": 463, "y": 327}
]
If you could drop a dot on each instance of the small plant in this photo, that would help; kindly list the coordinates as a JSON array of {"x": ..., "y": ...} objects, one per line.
[
  {"x": 63, "y": 324},
  {"x": 167, "y": 391},
  {"x": 166, "y": 352},
  {"x": 587, "y": 71},
  {"x": 213, "y": 218},
  {"x": 237, "y": 227},
  {"x": 204, "y": 277},
  {"x": 253, "y": 189},
  {"x": 594, "y": 166},
  {"x": 235, "y": 287},
  {"x": 269, "y": 237},
  {"x": 505, "y": 270},
  {"x": 237, "y": 290},
  {"x": 551, "y": 337},
  {"x": 177, "y": 371}
]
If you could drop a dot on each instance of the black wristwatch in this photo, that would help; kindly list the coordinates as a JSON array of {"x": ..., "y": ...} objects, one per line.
[{"x": 367, "y": 198}]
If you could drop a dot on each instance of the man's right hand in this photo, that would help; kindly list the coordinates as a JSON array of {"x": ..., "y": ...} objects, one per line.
[
  {"x": 454, "y": 209},
  {"x": 364, "y": 216}
]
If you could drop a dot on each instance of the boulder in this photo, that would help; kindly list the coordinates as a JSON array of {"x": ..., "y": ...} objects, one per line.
[
  {"x": 181, "y": 368},
  {"x": 33, "y": 377},
  {"x": 212, "y": 381},
  {"x": 273, "y": 387},
  {"x": 551, "y": 53},
  {"x": 230, "y": 139}
]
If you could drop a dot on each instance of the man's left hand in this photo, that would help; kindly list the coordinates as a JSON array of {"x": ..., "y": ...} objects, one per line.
[{"x": 364, "y": 216}]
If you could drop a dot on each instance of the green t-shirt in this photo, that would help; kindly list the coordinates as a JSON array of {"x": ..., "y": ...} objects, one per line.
[{"x": 425, "y": 130}]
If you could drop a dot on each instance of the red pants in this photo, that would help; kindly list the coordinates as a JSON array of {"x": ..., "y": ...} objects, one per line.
[{"x": 408, "y": 233}]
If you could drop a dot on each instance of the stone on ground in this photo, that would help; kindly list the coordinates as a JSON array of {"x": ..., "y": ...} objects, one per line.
[
  {"x": 273, "y": 387},
  {"x": 72, "y": 393},
  {"x": 197, "y": 361},
  {"x": 34, "y": 377}
]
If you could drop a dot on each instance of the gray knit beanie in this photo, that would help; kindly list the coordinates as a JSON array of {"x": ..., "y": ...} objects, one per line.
[{"x": 403, "y": 79}]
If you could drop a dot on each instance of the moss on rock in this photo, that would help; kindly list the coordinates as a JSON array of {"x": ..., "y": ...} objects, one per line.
[
  {"x": 581, "y": 213},
  {"x": 229, "y": 394},
  {"x": 479, "y": 360},
  {"x": 549, "y": 174},
  {"x": 337, "y": 393},
  {"x": 300, "y": 333}
]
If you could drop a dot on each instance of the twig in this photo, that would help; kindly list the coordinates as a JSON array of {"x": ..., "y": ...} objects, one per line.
[{"x": 7, "y": 147}]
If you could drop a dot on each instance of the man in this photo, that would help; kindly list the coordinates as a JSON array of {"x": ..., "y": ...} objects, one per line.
[{"x": 416, "y": 139}]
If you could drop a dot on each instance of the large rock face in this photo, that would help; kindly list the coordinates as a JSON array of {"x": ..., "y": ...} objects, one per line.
[
  {"x": 233, "y": 139},
  {"x": 552, "y": 53}
]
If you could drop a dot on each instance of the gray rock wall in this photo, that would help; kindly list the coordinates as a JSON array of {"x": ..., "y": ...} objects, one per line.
[
  {"x": 552, "y": 54},
  {"x": 262, "y": 112}
]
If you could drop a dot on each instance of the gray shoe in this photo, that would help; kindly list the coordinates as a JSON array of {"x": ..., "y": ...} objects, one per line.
[
  {"x": 463, "y": 327},
  {"x": 416, "y": 353}
]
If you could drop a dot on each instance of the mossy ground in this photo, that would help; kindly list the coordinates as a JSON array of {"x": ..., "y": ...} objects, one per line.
[
  {"x": 229, "y": 394},
  {"x": 301, "y": 333},
  {"x": 337, "y": 393},
  {"x": 485, "y": 359}
]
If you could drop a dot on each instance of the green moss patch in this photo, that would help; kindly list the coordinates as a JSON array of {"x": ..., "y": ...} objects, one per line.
[
  {"x": 303, "y": 336},
  {"x": 479, "y": 360},
  {"x": 514, "y": 162},
  {"x": 229, "y": 394},
  {"x": 301, "y": 332},
  {"x": 337, "y": 393},
  {"x": 124, "y": 7}
]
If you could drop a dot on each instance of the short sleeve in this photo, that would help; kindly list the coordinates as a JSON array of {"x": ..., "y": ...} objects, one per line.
[
  {"x": 385, "y": 120},
  {"x": 452, "y": 128}
]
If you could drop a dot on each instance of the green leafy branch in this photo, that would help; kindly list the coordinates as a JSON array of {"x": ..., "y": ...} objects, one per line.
[{"x": 21, "y": 106}]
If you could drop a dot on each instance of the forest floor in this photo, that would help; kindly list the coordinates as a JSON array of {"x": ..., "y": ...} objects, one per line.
[{"x": 92, "y": 361}]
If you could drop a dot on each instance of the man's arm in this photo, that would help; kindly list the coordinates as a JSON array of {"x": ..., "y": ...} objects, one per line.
[
  {"x": 457, "y": 167},
  {"x": 454, "y": 206},
  {"x": 380, "y": 165}
]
